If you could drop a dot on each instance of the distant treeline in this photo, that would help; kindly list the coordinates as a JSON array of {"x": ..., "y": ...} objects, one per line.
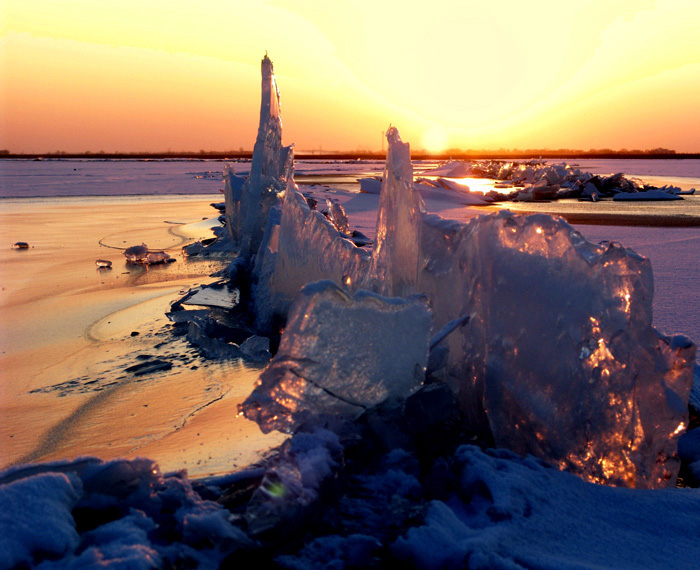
[{"x": 469, "y": 154}]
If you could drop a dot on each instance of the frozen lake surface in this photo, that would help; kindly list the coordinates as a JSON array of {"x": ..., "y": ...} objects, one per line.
[{"x": 125, "y": 177}]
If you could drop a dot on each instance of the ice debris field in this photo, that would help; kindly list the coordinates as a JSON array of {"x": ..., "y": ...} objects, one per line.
[{"x": 488, "y": 394}]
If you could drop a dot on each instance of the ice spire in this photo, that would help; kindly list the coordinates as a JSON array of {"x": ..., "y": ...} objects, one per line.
[
  {"x": 248, "y": 203},
  {"x": 395, "y": 261}
]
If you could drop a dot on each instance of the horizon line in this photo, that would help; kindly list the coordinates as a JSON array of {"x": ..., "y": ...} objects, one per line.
[{"x": 417, "y": 154}]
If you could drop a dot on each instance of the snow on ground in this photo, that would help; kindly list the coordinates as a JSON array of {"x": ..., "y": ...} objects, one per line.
[{"x": 480, "y": 509}]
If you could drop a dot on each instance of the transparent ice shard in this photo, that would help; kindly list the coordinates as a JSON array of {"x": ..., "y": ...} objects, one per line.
[
  {"x": 562, "y": 343},
  {"x": 248, "y": 202},
  {"x": 233, "y": 192},
  {"x": 340, "y": 355},
  {"x": 338, "y": 216},
  {"x": 395, "y": 258},
  {"x": 301, "y": 246}
]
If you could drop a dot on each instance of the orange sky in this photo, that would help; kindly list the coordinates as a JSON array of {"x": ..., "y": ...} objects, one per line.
[{"x": 122, "y": 75}]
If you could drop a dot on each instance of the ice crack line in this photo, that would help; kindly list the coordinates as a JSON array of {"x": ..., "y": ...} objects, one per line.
[{"x": 326, "y": 390}]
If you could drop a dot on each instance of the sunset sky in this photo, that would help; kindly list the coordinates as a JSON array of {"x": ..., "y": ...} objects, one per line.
[{"x": 151, "y": 75}]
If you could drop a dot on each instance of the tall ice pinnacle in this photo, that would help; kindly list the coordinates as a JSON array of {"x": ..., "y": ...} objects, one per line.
[
  {"x": 248, "y": 203},
  {"x": 395, "y": 262}
]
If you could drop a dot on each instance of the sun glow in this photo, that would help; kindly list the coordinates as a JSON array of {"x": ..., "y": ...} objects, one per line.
[
  {"x": 133, "y": 75},
  {"x": 434, "y": 139}
]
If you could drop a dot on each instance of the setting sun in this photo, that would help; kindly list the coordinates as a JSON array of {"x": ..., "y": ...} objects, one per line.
[{"x": 434, "y": 139}]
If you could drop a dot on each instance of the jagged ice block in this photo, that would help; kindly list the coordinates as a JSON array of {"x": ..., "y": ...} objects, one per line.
[
  {"x": 559, "y": 358},
  {"x": 340, "y": 355}
]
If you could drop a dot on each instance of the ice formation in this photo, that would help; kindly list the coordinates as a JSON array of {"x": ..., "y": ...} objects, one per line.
[
  {"x": 559, "y": 358},
  {"x": 396, "y": 261},
  {"x": 556, "y": 355},
  {"x": 340, "y": 355},
  {"x": 141, "y": 255},
  {"x": 536, "y": 180},
  {"x": 300, "y": 246},
  {"x": 338, "y": 217},
  {"x": 248, "y": 202}
]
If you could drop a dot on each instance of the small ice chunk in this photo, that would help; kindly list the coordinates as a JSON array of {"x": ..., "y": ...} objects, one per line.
[
  {"x": 338, "y": 217},
  {"x": 157, "y": 257},
  {"x": 141, "y": 255},
  {"x": 339, "y": 355},
  {"x": 370, "y": 185},
  {"x": 136, "y": 253},
  {"x": 216, "y": 295},
  {"x": 198, "y": 333},
  {"x": 192, "y": 249},
  {"x": 256, "y": 348}
]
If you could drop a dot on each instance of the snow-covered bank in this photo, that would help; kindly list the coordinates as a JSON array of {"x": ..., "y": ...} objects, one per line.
[{"x": 322, "y": 502}]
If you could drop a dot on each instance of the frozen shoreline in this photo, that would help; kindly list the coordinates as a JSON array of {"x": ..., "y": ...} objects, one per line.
[{"x": 66, "y": 340}]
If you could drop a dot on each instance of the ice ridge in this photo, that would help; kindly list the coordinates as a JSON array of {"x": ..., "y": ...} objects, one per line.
[
  {"x": 555, "y": 356},
  {"x": 558, "y": 357}
]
